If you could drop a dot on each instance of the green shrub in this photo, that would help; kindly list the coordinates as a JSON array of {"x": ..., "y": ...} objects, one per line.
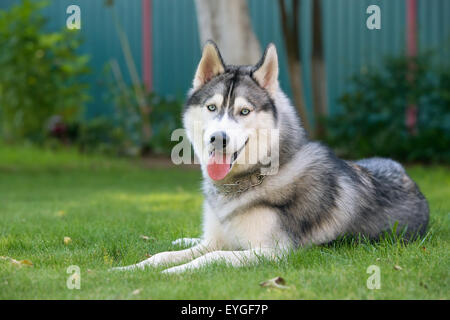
[
  {"x": 39, "y": 73},
  {"x": 372, "y": 119},
  {"x": 100, "y": 135},
  {"x": 164, "y": 118},
  {"x": 120, "y": 133}
]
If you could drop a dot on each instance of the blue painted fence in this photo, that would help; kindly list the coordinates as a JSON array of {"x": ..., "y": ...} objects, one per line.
[{"x": 349, "y": 46}]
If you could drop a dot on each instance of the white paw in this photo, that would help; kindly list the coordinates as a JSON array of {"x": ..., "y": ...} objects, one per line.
[
  {"x": 127, "y": 268},
  {"x": 173, "y": 270},
  {"x": 159, "y": 259},
  {"x": 154, "y": 261},
  {"x": 186, "y": 242}
]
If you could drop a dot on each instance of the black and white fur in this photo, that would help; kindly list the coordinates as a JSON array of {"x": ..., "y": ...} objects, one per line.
[{"x": 312, "y": 199}]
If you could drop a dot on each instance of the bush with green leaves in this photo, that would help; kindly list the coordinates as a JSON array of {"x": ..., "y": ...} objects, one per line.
[
  {"x": 164, "y": 117},
  {"x": 372, "y": 121},
  {"x": 120, "y": 133},
  {"x": 40, "y": 73},
  {"x": 101, "y": 135}
]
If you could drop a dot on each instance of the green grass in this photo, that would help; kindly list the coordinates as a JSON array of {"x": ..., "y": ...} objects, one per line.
[{"x": 104, "y": 205}]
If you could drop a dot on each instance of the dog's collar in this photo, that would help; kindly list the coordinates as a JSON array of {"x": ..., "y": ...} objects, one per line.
[{"x": 241, "y": 185}]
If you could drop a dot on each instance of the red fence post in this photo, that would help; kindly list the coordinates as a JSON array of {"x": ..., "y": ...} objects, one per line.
[
  {"x": 411, "y": 45},
  {"x": 147, "y": 44}
]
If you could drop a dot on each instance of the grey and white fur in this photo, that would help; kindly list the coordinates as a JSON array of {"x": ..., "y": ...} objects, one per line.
[{"x": 313, "y": 198}]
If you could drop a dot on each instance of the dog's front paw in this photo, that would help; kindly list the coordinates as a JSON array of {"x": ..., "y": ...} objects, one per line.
[
  {"x": 175, "y": 270},
  {"x": 126, "y": 268},
  {"x": 186, "y": 242},
  {"x": 190, "y": 266},
  {"x": 150, "y": 262},
  {"x": 159, "y": 259}
]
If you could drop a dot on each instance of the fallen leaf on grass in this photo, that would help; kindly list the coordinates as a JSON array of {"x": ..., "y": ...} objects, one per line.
[
  {"x": 67, "y": 240},
  {"x": 147, "y": 238},
  {"x": 60, "y": 213},
  {"x": 397, "y": 267},
  {"x": 277, "y": 282},
  {"x": 25, "y": 262},
  {"x": 136, "y": 292}
]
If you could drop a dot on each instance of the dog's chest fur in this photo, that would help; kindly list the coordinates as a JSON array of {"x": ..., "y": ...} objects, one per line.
[{"x": 238, "y": 225}]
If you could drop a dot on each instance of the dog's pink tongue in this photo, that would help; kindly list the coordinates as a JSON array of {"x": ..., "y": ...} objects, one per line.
[{"x": 218, "y": 166}]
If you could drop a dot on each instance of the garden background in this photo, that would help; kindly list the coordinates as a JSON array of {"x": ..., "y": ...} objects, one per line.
[{"x": 86, "y": 117}]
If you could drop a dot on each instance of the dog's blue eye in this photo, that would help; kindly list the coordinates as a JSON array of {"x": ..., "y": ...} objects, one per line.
[
  {"x": 211, "y": 107},
  {"x": 245, "y": 111}
]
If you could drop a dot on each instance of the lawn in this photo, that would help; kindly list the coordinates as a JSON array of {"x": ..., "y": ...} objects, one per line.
[{"x": 106, "y": 205}]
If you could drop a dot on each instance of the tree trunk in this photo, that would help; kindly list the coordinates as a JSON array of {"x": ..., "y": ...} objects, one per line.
[
  {"x": 292, "y": 44},
  {"x": 227, "y": 23},
  {"x": 318, "y": 76}
]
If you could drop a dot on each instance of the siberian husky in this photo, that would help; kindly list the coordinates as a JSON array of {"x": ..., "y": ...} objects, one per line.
[{"x": 312, "y": 197}]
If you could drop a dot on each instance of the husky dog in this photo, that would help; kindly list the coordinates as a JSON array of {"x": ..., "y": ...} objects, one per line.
[{"x": 312, "y": 198}]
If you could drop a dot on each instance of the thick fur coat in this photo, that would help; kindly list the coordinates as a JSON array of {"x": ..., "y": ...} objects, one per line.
[{"x": 309, "y": 197}]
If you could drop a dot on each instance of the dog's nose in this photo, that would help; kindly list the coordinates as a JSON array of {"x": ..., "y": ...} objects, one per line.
[{"x": 219, "y": 139}]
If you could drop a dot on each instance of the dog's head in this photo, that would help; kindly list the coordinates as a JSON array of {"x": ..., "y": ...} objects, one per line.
[{"x": 230, "y": 114}]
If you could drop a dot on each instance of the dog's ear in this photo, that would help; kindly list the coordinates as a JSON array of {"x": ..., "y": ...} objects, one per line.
[
  {"x": 211, "y": 64},
  {"x": 266, "y": 70}
]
